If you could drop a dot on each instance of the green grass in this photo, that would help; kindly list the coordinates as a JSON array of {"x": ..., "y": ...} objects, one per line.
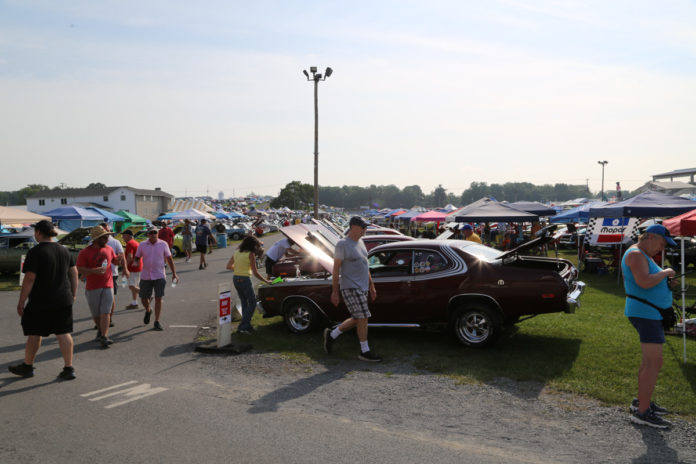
[{"x": 594, "y": 352}]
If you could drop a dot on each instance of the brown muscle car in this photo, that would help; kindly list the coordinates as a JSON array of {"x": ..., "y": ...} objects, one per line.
[{"x": 474, "y": 290}]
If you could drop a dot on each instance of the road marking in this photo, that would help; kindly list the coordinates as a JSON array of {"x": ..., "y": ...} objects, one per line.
[
  {"x": 184, "y": 326},
  {"x": 134, "y": 393}
]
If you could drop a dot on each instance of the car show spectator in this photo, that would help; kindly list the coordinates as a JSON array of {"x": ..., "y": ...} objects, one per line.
[
  {"x": 243, "y": 263},
  {"x": 94, "y": 263},
  {"x": 279, "y": 249},
  {"x": 647, "y": 290},
  {"x": 118, "y": 250},
  {"x": 355, "y": 282},
  {"x": 50, "y": 286},
  {"x": 166, "y": 234},
  {"x": 187, "y": 239},
  {"x": 203, "y": 237},
  {"x": 155, "y": 253},
  {"x": 134, "y": 267},
  {"x": 469, "y": 234}
]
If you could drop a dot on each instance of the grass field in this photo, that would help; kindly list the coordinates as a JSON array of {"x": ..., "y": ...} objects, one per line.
[{"x": 594, "y": 352}]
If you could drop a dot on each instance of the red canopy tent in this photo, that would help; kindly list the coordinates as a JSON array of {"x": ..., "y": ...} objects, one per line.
[
  {"x": 682, "y": 225},
  {"x": 431, "y": 216}
]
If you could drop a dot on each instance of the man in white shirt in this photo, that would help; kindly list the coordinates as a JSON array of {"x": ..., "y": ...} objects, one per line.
[{"x": 277, "y": 251}]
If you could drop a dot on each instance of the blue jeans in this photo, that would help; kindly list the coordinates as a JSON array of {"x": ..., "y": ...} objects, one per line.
[{"x": 248, "y": 299}]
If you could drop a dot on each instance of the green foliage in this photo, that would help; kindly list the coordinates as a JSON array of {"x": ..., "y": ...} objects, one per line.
[
  {"x": 18, "y": 197},
  {"x": 524, "y": 191},
  {"x": 294, "y": 195}
]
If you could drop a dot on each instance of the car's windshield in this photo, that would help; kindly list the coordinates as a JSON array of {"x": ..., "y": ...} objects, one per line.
[{"x": 482, "y": 252}]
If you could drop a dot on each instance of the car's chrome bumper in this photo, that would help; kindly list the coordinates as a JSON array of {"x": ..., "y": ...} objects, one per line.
[{"x": 574, "y": 297}]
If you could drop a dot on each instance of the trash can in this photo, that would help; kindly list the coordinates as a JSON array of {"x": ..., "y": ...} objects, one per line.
[{"x": 221, "y": 241}]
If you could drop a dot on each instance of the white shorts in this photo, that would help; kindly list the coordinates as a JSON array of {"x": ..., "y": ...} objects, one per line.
[{"x": 134, "y": 279}]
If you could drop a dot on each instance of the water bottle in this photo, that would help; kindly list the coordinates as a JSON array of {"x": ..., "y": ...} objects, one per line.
[
  {"x": 174, "y": 282},
  {"x": 124, "y": 282},
  {"x": 297, "y": 271},
  {"x": 105, "y": 263}
]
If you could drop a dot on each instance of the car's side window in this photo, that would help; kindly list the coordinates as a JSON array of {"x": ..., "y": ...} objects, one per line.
[
  {"x": 427, "y": 262},
  {"x": 391, "y": 263}
]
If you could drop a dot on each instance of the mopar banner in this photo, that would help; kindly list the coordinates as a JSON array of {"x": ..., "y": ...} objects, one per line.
[{"x": 611, "y": 231}]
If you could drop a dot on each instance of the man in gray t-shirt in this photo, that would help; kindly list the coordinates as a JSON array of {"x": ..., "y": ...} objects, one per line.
[{"x": 352, "y": 271}]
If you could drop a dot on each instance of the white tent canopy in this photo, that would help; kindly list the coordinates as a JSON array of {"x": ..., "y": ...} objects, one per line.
[
  {"x": 192, "y": 215},
  {"x": 10, "y": 215},
  {"x": 183, "y": 205}
]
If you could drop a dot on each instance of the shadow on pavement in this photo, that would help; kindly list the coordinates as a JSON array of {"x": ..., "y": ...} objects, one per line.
[{"x": 270, "y": 401}]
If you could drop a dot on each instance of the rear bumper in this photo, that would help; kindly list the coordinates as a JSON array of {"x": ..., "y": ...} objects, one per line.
[{"x": 573, "y": 299}]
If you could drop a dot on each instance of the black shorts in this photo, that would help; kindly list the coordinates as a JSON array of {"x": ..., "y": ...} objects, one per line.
[
  {"x": 147, "y": 286},
  {"x": 202, "y": 248},
  {"x": 44, "y": 321}
]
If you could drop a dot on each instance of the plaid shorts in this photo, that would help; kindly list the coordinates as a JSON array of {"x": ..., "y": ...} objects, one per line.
[{"x": 356, "y": 302}]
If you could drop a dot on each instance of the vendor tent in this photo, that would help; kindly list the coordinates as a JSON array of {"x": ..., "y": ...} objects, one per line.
[
  {"x": 130, "y": 220},
  {"x": 493, "y": 211},
  {"x": 533, "y": 207},
  {"x": 71, "y": 217},
  {"x": 682, "y": 225},
  {"x": 107, "y": 215},
  {"x": 578, "y": 214},
  {"x": 408, "y": 215},
  {"x": 10, "y": 215},
  {"x": 192, "y": 214},
  {"x": 646, "y": 204},
  {"x": 469, "y": 207},
  {"x": 181, "y": 205},
  {"x": 430, "y": 216}
]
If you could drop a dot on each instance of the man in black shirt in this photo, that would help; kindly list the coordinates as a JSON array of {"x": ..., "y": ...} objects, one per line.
[{"x": 50, "y": 284}]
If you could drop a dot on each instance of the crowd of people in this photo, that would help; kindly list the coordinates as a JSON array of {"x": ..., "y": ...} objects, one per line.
[{"x": 50, "y": 285}]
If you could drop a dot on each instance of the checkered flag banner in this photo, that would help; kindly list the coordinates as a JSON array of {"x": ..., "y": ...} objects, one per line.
[{"x": 611, "y": 231}]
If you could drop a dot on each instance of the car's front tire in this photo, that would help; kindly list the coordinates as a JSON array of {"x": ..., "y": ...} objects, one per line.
[
  {"x": 235, "y": 236},
  {"x": 175, "y": 252},
  {"x": 476, "y": 325},
  {"x": 300, "y": 316}
]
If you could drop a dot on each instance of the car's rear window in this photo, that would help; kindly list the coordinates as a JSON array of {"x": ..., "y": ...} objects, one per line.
[{"x": 481, "y": 251}]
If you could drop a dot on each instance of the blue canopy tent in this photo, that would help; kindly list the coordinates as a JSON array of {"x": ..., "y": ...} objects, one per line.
[
  {"x": 71, "y": 217},
  {"x": 578, "y": 214},
  {"x": 107, "y": 215},
  {"x": 164, "y": 216},
  {"x": 221, "y": 215},
  {"x": 533, "y": 207},
  {"x": 646, "y": 204}
]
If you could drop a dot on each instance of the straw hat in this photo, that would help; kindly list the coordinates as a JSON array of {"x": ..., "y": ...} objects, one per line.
[{"x": 98, "y": 232}]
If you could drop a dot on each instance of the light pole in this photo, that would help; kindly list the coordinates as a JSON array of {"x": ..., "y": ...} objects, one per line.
[
  {"x": 603, "y": 163},
  {"x": 316, "y": 78}
]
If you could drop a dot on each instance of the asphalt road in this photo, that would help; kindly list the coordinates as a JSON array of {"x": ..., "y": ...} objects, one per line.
[{"x": 151, "y": 398}]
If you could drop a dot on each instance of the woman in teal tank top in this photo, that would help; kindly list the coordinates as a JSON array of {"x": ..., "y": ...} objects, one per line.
[{"x": 644, "y": 279}]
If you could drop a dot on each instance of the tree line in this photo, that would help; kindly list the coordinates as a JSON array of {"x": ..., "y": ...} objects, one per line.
[{"x": 297, "y": 195}]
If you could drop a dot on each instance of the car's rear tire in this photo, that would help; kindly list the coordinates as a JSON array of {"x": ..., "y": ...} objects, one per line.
[
  {"x": 236, "y": 236},
  {"x": 476, "y": 325},
  {"x": 300, "y": 316}
]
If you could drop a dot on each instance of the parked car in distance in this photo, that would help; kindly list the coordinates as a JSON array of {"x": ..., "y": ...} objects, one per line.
[{"x": 474, "y": 290}]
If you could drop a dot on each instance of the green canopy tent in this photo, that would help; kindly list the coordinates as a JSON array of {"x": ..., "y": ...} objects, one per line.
[{"x": 130, "y": 219}]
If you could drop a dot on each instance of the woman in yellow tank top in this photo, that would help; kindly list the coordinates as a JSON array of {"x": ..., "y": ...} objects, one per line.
[{"x": 243, "y": 263}]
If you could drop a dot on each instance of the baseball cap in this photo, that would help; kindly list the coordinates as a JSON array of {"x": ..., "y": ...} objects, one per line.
[
  {"x": 127, "y": 232},
  {"x": 357, "y": 221},
  {"x": 659, "y": 229},
  {"x": 467, "y": 227}
]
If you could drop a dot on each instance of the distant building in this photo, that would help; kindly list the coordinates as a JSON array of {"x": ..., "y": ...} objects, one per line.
[
  {"x": 677, "y": 174},
  {"x": 670, "y": 188},
  {"x": 221, "y": 195},
  {"x": 146, "y": 203}
]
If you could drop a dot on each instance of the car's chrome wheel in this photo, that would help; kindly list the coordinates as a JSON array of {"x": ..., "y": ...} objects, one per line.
[
  {"x": 175, "y": 252},
  {"x": 236, "y": 236},
  {"x": 475, "y": 325},
  {"x": 300, "y": 316}
]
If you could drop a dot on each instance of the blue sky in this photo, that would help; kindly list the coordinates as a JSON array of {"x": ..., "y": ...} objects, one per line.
[{"x": 210, "y": 96}]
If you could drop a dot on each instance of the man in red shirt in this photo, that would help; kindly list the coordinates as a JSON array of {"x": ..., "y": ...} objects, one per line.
[
  {"x": 94, "y": 263},
  {"x": 166, "y": 234},
  {"x": 135, "y": 265}
]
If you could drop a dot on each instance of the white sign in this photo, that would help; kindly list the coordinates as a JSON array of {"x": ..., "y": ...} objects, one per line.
[
  {"x": 611, "y": 231},
  {"x": 224, "y": 335}
]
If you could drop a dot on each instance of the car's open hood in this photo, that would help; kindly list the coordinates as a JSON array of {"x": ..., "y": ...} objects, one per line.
[
  {"x": 311, "y": 238},
  {"x": 75, "y": 237},
  {"x": 543, "y": 236}
]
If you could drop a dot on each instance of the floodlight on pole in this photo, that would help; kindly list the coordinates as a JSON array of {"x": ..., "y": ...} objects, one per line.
[
  {"x": 603, "y": 163},
  {"x": 316, "y": 78}
]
